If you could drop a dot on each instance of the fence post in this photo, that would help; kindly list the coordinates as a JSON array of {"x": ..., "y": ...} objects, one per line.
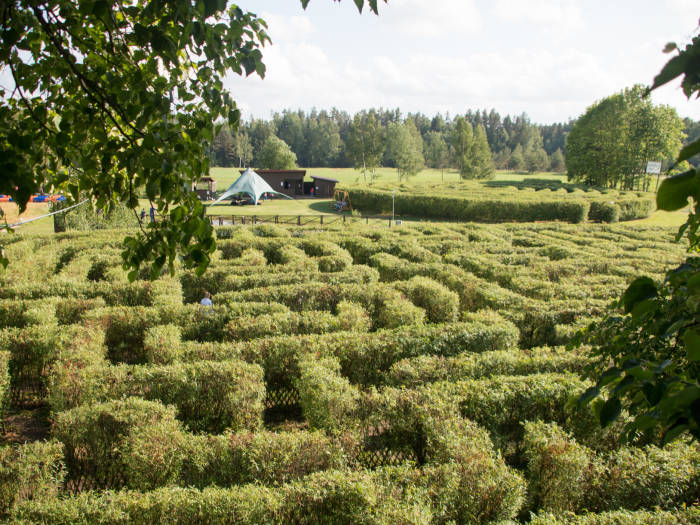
[
  {"x": 367, "y": 218},
  {"x": 321, "y": 220},
  {"x": 277, "y": 219},
  {"x": 344, "y": 218},
  {"x": 255, "y": 219},
  {"x": 298, "y": 220},
  {"x": 242, "y": 219}
]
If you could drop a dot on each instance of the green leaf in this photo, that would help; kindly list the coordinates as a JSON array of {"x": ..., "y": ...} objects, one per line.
[
  {"x": 589, "y": 394},
  {"x": 673, "y": 68},
  {"x": 610, "y": 411},
  {"x": 688, "y": 151},
  {"x": 640, "y": 289},
  {"x": 609, "y": 376},
  {"x": 691, "y": 340},
  {"x": 674, "y": 192}
]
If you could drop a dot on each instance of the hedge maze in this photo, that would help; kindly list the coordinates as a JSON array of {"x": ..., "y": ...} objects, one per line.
[{"x": 408, "y": 375}]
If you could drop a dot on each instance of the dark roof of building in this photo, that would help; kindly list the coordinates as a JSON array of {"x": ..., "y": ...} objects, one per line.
[
  {"x": 324, "y": 178},
  {"x": 206, "y": 179},
  {"x": 279, "y": 172}
]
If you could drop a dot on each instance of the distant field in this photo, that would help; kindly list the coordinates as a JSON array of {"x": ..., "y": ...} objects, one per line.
[{"x": 386, "y": 177}]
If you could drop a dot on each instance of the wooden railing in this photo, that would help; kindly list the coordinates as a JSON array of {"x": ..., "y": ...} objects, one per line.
[{"x": 294, "y": 220}]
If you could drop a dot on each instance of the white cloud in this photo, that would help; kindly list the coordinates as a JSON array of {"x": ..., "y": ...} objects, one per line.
[
  {"x": 434, "y": 19},
  {"x": 288, "y": 28},
  {"x": 552, "y": 16}
]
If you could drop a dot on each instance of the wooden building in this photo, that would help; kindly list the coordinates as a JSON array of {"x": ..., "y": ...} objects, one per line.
[
  {"x": 205, "y": 188},
  {"x": 323, "y": 187},
  {"x": 289, "y": 182}
]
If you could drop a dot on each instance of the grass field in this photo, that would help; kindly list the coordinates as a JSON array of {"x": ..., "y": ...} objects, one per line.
[{"x": 386, "y": 176}]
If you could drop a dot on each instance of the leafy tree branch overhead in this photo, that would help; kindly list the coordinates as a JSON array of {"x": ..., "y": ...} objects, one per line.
[
  {"x": 647, "y": 353},
  {"x": 113, "y": 99}
]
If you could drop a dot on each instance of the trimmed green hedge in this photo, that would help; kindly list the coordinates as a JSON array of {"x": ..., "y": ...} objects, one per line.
[
  {"x": 453, "y": 493},
  {"x": 209, "y": 395},
  {"x": 566, "y": 476},
  {"x": 4, "y": 382},
  {"x": 97, "y": 438},
  {"x": 689, "y": 516},
  {"x": 34, "y": 349},
  {"x": 33, "y": 471},
  {"x": 430, "y": 368},
  {"x": 327, "y": 399},
  {"x": 461, "y": 209},
  {"x": 351, "y": 317}
]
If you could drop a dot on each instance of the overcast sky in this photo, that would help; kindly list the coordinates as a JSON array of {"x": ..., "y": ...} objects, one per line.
[{"x": 548, "y": 58}]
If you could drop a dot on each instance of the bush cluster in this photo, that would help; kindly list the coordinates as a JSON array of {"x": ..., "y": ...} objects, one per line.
[
  {"x": 209, "y": 395},
  {"x": 461, "y": 209}
]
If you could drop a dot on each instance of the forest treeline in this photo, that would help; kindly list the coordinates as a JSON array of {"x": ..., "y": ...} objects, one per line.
[
  {"x": 338, "y": 139},
  {"x": 385, "y": 137}
]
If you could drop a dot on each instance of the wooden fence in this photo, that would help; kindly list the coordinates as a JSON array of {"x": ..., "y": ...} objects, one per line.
[{"x": 294, "y": 220}]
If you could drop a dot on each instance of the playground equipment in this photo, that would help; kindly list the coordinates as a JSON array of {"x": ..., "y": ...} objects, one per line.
[{"x": 342, "y": 201}]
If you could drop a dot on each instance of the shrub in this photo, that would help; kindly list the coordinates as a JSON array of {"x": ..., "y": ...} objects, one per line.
[
  {"x": 162, "y": 344},
  {"x": 269, "y": 230},
  {"x": 267, "y": 458},
  {"x": 633, "y": 209},
  {"x": 398, "y": 311},
  {"x": 502, "y": 402},
  {"x": 98, "y": 269},
  {"x": 4, "y": 382},
  {"x": 208, "y": 395},
  {"x": 252, "y": 257},
  {"x": 556, "y": 467},
  {"x": 33, "y": 350},
  {"x": 95, "y": 436},
  {"x": 462, "y": 209},
  {"x": 327, "y": 399},
  {"x": 71, "y": 310},
  {"x": 429, "y": 368},
  {"x": 602, "y": 211},
  {"x": 33, "y": 471},
  {"x": 352, "y": 317},
  {"x": 621, "y": 517},
  {"x": 441, "y": 305},
  {"x": 649, "y": 477}
]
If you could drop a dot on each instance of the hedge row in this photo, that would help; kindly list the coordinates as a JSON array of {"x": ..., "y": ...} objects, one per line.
[
  {"x": 220, "y": 279},
  {"x": 209, "y": 395},
  {"x": 125, "y": 327},
  {"x": 350, "y": 317},
  {"x": 34, "y": 349},
  {"x": 430, "y": 368},
  {"x": 138, "y": 293},
  {"x": 4, "y": 382},
  {"x": 452, "y": 493},
  {"x": 139, "y": 445},
  {"x": 30, "y": 471},
  {"x": 620, "y": 210},
  {"x": 364, "y": 357},
  {"x": 461, "y": 209},
  {"x": 688, "y": 516},
  {"x": 566, "y": 476}
]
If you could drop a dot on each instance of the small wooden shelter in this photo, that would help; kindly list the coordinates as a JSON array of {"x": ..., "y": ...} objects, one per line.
[
  {"x": 324, "y": 187},
  {"x": 205, "y": 188}
]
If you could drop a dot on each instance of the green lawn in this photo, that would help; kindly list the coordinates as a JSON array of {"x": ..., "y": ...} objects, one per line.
[{"x": 387, "y": 177}]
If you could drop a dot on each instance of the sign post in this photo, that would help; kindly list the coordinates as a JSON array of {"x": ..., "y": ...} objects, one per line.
[{"x": 654, "y": 167}]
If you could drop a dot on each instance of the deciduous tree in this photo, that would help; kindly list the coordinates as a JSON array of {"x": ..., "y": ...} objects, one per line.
[
  {"x": 114, "y": 98},
  {"x": 276, "y": 155},
  {"x": 647, "y": 352}
]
